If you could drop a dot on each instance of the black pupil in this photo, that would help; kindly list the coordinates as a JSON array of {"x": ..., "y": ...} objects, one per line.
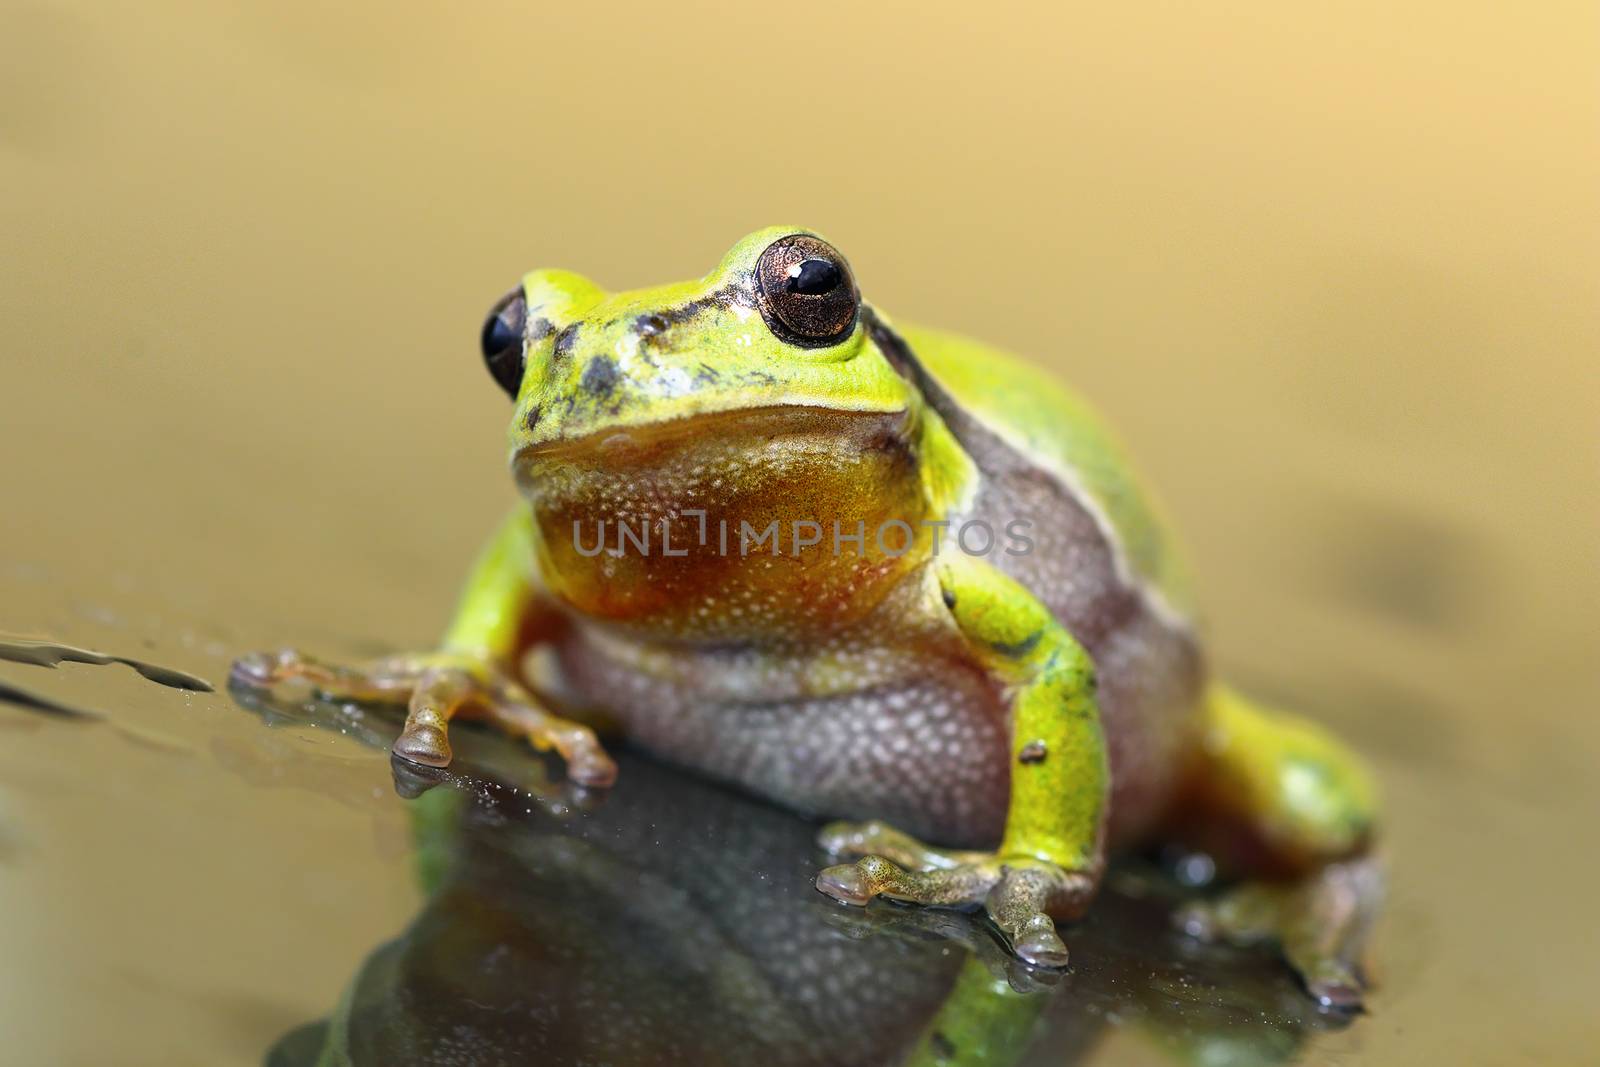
[
  {"x": 500, "y": 333},
  {"x": 812, "y": 277}
]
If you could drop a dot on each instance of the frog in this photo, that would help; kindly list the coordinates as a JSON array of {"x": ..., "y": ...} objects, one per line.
[{"x": 883, "y": 575}]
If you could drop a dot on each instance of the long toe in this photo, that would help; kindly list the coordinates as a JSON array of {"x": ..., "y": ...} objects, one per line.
[
  {"x": 427, "y": 745},
  {"x": 592, "y": 768},
  {"x": 845, "y": 883},
  {"x": 257, "y": 669},
  {"x": 1334, "y": 987},
  {"x": 1040, "y": 945}
]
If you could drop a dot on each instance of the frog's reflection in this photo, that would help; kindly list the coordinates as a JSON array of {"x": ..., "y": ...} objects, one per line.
[{"x": 672, "y": 921}]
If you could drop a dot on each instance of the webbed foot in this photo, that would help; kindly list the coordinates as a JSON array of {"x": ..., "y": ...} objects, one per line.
[
  {"x": 1022, "y": 895},
  {"x": 1320, "y": 922},
  {"x": 435, "y": 687}
]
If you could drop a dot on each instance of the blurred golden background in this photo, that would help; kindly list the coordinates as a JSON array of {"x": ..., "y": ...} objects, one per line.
[{"x": 1332, "y": 271}]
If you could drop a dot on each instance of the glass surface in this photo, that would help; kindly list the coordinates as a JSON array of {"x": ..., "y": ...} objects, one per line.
[{"x": 1331, "y": 273}]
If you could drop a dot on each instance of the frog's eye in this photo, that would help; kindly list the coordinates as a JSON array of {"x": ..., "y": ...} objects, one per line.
[
  {"x": 808, "y": 296},
  {"x": 501, "y": 340}
]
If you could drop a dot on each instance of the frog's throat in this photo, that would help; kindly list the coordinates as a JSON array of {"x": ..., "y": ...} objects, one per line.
[{"x": 707, "y": 483}]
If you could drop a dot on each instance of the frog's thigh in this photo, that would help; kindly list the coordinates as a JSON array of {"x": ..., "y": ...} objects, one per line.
[
  {"x": 1305, "y": 795},
  {"x": 1052, "y": 852},
  {"x": 1312, "y": 803}
]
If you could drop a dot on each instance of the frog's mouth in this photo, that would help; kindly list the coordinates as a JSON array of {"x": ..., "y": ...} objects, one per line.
[{"x": 717, "y": 438}]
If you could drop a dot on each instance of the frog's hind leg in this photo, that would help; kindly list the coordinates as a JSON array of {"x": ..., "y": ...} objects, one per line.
[{"x": 1282, "y": 798}]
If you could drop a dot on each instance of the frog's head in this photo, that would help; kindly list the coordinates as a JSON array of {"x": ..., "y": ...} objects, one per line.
[
  {"x": 776, "y": 326},
  {"x": 757, "y": 392}
]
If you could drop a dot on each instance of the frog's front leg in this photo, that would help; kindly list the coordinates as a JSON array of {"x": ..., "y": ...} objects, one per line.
[
  {"x": 472, "y": 674},
  {"x": 1052, "y": 853}
]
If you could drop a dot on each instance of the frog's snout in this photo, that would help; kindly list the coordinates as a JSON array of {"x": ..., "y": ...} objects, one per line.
[{"x": 601, "y": 377}]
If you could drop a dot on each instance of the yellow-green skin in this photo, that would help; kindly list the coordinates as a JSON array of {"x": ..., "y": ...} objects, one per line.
[
  {"x": 621, "y": 366},
  {"x": 1079, "y": 713}
]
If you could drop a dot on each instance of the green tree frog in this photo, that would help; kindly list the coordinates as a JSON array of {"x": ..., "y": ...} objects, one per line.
[{"x": 875, "y": 573}]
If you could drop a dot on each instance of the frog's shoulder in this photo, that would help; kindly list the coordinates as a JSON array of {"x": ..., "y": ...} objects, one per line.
[{"x": 1056, "y": 428}]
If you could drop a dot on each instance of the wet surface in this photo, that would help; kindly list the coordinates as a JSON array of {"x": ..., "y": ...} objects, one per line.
[
  {"x": 49, "y": 654},
  {"x": 675, "y": 921},
  {"x": 667, "y": 921},
  {"x": 261, "y": 880},
  {"x": 1331, "y": 276}
]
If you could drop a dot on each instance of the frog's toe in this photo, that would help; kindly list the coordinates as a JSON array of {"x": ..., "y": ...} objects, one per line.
[
  {"x": 590, "y": 765},
  {"x": 878, "y": 876},
  {"x": 874, "y": 838},
  {"x": 1039, "y": 944},
  {"x": 1020, "y": 897},
  {"x": 587, "y": 761},
  {"x": 1025, "y": 900},
  {"x": 849, "y": 838},
  {"x": 1320, "y": 923},
  {"x": 425, "y": 744},
  {"x": 268, "y": 670},
  {"x": 1339, "y": 990},
  {"x": 846, "y": 884},
  {"x": 258, "y": 670},
  {"x": 435, "y": 686},
  {"x": 264, "y": 670}
]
